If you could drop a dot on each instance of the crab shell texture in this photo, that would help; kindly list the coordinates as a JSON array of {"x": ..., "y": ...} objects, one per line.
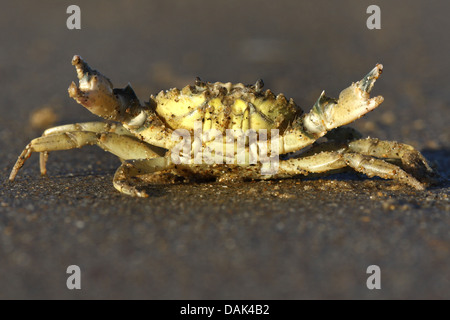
[{"x": 222, "y": 106}]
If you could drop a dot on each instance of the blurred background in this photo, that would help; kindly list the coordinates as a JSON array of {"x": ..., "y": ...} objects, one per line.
[{"x": 212, "y": 241}]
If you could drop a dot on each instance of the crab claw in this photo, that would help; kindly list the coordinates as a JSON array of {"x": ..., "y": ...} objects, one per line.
[
  {"x": 96, "y": 93},
  {"x": 366, "y": 83},
  {"x": 353, "y": 103}
]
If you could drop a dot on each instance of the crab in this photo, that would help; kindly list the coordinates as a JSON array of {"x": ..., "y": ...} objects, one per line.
[{"x": 142, "y": 134}]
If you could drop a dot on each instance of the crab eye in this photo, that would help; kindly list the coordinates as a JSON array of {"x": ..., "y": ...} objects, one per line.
[{"x": 259, "y": 85}]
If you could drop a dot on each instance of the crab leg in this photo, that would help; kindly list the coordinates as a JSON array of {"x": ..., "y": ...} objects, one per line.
[
  {"x": 371, "y": 166},
  {"x": 317, "y": 163},
  {"x": 333, "y": 160},
  {"x": 124, "y": 147},
  {"x": 329, "y": 113},
  {"x": 97, "y": 127},
  {"x": 132, "y": 168},
  {"x": 410, "y": 157}
]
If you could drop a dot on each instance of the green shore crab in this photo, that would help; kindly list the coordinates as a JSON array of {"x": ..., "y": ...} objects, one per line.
[{"x": 143, "y": 135}]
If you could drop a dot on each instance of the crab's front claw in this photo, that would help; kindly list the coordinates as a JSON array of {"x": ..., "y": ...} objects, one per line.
[
  {"x": 96, "y": 93},
  {"x": 366, "y": 83},
  {"x": 353, "y": 103}
]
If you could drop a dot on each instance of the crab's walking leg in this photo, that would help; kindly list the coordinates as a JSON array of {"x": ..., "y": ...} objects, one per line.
[
  {"x": 332, "y": 160},
  {"x": 97, "y": 127},
  {"x": 328, "y": 113},
  {"x": 371, "y": 166},
  {"x": 124, "y": 147},
  {"x": 410, "y": 157},
  {"x": 43, "y": 158},
  {"x": 317, "y": 163},
  {"x": 133, "y": 168}
]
